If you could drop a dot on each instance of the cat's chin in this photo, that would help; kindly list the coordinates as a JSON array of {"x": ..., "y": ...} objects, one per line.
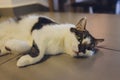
[{"x": 87, "y": 54}]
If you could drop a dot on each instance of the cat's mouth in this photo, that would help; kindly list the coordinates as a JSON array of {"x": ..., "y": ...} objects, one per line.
[
  {"x": 76, "y": 53},
  {"x": 86, "y": 54}
]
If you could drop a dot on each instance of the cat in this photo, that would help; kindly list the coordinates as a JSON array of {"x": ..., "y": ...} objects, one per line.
[{"x": 39, "y": 36}]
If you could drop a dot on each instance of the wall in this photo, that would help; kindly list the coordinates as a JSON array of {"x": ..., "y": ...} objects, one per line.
[
  {"x": 5, "y": 3},
  {"x": 16, "y": 3}
]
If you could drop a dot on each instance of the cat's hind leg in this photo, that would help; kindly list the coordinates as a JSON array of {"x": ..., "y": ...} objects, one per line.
[{"x": 35, "y": 55}]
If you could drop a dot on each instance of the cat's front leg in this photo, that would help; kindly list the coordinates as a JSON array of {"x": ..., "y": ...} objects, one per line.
[
  {"x": 70, "y": 46},
  {"x": 17, "y": 46}
]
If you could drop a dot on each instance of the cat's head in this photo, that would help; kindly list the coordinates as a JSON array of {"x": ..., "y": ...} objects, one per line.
[{"x": 87, "y": 42}]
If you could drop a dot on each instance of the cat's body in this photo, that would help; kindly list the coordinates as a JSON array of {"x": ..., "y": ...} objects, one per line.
[
  {"x": 44, "y": 36},
  {"x": 57, "y": 34}
]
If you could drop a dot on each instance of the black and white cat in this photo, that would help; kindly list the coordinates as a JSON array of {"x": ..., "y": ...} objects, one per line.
[{"x": 39, "y": 36}]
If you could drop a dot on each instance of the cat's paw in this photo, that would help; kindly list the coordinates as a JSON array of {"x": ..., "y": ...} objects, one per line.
[{"x": 24, "y": 61}]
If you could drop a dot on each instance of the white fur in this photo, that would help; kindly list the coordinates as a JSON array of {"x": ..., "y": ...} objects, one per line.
[{"x": 86, "y": 41}]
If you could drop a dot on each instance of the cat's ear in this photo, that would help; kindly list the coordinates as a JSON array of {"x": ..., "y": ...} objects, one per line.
[
  {"x": 99, "y": 40},
  {"x": 81, "y": 25}
]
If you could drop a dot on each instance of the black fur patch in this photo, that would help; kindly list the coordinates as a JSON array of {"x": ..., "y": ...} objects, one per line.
[
  {"x": 41, "y": 22},
  {"x": 34, "y": 52},
  {"x": 77, "y": 32}
]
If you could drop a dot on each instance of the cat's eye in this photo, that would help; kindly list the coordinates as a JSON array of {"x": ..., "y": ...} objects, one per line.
[
  {"x": 84, "y": 36},
  {"x": 78, "y": 38}
]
